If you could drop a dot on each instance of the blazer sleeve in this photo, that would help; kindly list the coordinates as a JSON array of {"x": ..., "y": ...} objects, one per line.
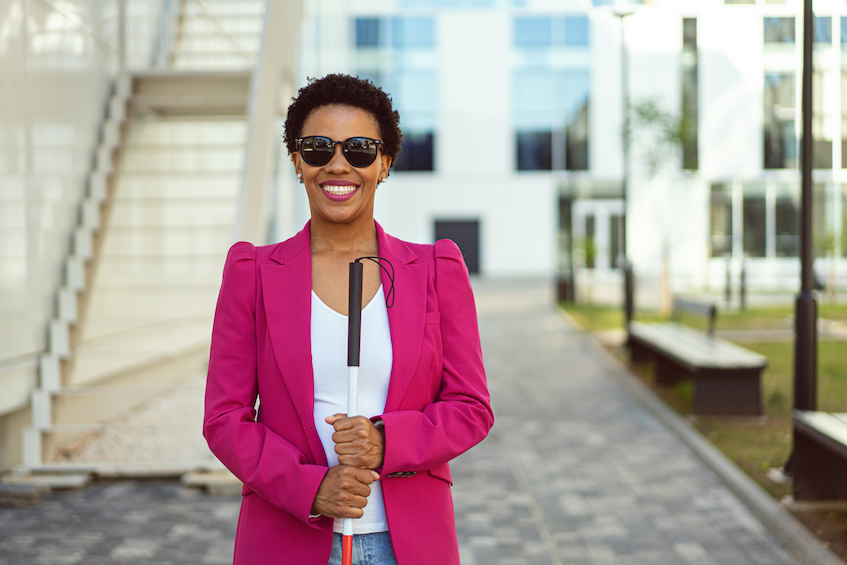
[
  {"x": 267, "y": 463},
  {"x": 461, "y": 416}
]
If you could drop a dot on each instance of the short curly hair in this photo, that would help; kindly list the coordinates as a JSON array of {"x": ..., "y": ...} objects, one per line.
[{"x": 345, "y": 90}]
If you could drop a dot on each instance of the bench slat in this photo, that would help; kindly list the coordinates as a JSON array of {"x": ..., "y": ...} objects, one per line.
[
  {"x": 695, "y": 348},
  {"x": 831, "y": 425}
]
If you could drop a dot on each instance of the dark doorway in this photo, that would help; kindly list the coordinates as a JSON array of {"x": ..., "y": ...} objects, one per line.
[{"x": 466, "y": 235}]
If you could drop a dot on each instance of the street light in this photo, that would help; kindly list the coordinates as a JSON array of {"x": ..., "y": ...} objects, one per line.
[{"x": 622, "y": 260}]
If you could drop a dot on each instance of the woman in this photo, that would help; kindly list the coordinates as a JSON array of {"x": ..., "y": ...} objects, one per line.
[{"x": 280, "y": 335}]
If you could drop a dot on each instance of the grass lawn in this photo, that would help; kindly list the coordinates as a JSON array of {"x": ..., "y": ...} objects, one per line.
[{"x": 754, "y": 444}]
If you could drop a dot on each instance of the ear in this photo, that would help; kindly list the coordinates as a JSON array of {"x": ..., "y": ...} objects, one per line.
[
  {"x": 385, "y": 163},
  {"x": 295, "y": 158}
]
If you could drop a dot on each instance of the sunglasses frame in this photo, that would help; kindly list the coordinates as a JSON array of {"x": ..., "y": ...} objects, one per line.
[{"x": 344, "y": 149}]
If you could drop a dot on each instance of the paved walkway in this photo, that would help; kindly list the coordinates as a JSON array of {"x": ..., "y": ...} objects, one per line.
[{"x": 574, "y": 472}]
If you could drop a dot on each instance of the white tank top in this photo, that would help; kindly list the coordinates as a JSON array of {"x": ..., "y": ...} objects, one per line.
[{"x": 329, "y": 363}]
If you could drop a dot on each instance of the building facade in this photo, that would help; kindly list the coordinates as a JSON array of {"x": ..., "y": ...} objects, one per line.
[{"x": 513, "y": 116}]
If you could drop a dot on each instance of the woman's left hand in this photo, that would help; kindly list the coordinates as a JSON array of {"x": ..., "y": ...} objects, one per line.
[{"x": 357, "y": 441}]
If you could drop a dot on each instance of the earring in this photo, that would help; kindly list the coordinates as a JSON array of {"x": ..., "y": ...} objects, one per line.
[{"x": 300, "y": 177}]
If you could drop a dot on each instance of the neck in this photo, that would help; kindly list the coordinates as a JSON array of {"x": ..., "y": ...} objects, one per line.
[{"x": 351, "y": 237}]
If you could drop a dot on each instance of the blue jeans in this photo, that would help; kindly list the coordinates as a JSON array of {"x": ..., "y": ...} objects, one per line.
[{"x": 368, "y": 549}]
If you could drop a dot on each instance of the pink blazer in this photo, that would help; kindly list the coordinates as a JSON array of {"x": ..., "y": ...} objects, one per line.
[{"x": 437, "y": 407}]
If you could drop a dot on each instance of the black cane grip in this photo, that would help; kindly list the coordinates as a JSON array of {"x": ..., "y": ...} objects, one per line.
[{"x": 354, "y": 314}]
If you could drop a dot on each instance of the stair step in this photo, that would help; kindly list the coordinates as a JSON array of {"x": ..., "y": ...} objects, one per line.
[
  {"x": 198, "y": 214},
  {"x": 116, "y": 354},
  {"x": 172, "y": 240},
  {"x": 191, "y": 93},
  {"x": 175, "y": 132},
  {"x": 234, "y": 24},
  {"x": 203, "y": 60}
]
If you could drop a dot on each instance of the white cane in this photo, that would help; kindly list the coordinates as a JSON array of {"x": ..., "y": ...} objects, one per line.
[{"x": 354, "y": 334}]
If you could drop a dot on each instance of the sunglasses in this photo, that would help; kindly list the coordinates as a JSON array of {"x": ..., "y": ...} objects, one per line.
[{"x": 317, "y": 150}]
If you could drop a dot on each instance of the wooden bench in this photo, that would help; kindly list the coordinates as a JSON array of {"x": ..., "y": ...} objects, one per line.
[
  {"x": 819, "y": 461},
  {"x": 727, "y": 377}
]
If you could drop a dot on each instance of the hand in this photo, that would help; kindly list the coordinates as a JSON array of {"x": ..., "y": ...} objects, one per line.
[
  {"x": 357, "y": 441},
  {"x": 344, "y": 492}
]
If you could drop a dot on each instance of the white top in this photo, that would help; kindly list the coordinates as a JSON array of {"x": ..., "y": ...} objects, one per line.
[{"x": 329, "y": 363}]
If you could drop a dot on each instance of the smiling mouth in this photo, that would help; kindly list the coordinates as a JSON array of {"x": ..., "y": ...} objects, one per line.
[{"x": 339, "y": 190}]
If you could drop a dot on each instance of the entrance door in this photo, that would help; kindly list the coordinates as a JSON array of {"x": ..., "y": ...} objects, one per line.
[
  {"x": 597, "y": 231},
  {"x": 465, "y": 233}
]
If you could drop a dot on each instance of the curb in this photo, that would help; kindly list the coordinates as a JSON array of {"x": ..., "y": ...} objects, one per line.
[{"x": 794, "y": 536}]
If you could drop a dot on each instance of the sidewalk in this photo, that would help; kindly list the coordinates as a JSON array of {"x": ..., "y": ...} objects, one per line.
[{"x": 577, "y": 470}]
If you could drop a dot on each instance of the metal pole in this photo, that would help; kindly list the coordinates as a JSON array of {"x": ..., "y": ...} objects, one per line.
[
  {"x": 805, "y": 318},
  {"x": 623, "y": 261},
  {"x": 625, "y": 132}
]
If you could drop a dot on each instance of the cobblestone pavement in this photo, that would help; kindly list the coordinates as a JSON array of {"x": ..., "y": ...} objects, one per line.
[{"x": 574, "y": 472}]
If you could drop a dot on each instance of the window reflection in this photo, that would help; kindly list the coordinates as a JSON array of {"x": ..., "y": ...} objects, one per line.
[
  {"x": 720, "y": 219},
  {"x": 823, "y": 29},
  {"x": 779, "y": 30},
  {"x": 780, "y": 142},
  {"x": 397, "y": 54},
  {"x": 551, "y": 101},
  {"x": 755, "y": 239},
  {"x": 786, "y": 218},
  {"x": 367, "y": 32},
  {"x": 575, "y": 31},
  {"x": 533, "y": 32}
]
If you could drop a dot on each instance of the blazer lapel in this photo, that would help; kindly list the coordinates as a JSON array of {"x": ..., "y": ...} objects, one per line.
[
  {"x": 287, "y": 293},
  {"x": 407, "y": 316}
]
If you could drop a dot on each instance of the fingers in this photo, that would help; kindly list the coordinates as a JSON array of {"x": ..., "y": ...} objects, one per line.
[
  {"x": 358, "y": 442},
  {"x": 332, "y": 419},
  {"x": 343, "y": 492},
  {"x": 341, "y": 422}
]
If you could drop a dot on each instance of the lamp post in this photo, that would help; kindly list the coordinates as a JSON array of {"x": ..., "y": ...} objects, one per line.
[
  {"x": 805, "y": 327},
  {"x": 622, "y": 260},
  {"x": 805, "y": 306}
]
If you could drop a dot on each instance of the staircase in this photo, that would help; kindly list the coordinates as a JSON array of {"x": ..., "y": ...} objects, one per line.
[{"x": 122, "y": 385}]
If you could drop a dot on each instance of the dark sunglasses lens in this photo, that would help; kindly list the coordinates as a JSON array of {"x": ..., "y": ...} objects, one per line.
[
  {"x": 316, "y": 151},
  {"x": 360, "y": 151}
]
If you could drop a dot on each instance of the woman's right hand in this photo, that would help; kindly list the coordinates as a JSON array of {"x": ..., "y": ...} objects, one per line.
[{"x": 344, "y": 492}]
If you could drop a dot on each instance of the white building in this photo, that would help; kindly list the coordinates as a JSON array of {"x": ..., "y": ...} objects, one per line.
[{"x": 513, "y": 110}]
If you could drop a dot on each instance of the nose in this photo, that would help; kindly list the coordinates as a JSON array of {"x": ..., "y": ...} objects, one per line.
[{"x": 338, "y": 164}]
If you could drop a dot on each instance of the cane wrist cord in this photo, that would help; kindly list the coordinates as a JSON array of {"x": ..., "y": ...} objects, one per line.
[{"x": 389, "y": 298}]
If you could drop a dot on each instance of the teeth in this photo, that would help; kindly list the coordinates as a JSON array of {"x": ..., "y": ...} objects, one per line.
[{"x": 339, "y": 190}]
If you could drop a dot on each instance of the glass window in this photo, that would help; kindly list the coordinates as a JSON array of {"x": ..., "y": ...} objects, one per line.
[
  {"x": 843, "y": 238},
  {"x": 755, "y": 240},
  {"x": 590, "y": 243},
  {"x": 689, "y": 95},
  {"x": 418, "y": 151},
  {"x": 844, "y": 118},
  {"x": 367, "y": 32},
  {"x": 533, "y": 32},
  {"x": 780, "y": 145},
  {"x": 415, "y": 94},
  {"x": 787, "y": 227},
  {"x": 843, "y": 32},
  {"x": 689, "y": 34},
  {"x": 576, "y": 100},
  {"x": 533, "y": 99},
  {"x": 823, "y": 231},
  {"x": 720, "y": 220},
  {"x": 413, "y": 32},
  {"x": 822, "y": 151},
  {"x": 575, "y": 31},
  {"x": 603, "y": 2},
  {"x": 779, "y": 30},
  {"x": 534, "y": 150},
  {"x": 823, "y": 29}
]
